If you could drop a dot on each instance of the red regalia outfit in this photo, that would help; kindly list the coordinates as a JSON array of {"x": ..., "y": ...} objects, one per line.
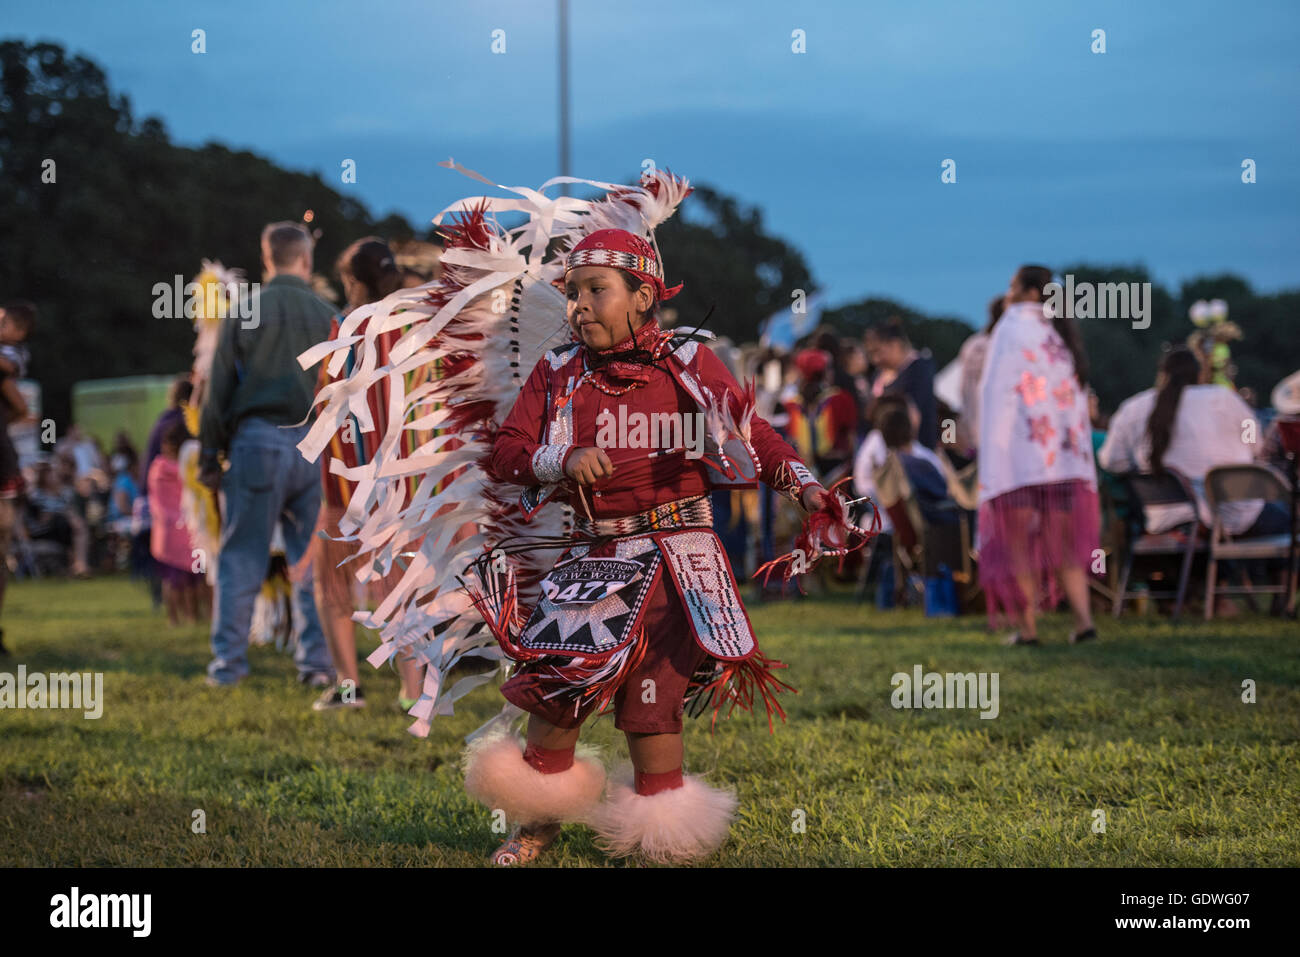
[
  {"x": 644, "y": 597},
  {"x": 641, "y": 590},
  {"x": 667, "y": 607}
]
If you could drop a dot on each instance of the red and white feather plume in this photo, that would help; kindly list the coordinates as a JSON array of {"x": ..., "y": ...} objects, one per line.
[{"x": 486, "y": 322}]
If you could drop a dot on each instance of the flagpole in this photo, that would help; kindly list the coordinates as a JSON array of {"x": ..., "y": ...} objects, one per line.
[{"x": 564, "y": 94}]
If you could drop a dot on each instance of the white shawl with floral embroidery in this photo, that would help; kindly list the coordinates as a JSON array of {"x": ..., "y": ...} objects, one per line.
[{"x": 1034, "y": 427}]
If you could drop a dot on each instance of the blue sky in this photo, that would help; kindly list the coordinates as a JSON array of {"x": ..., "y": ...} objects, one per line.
[{"x": 1131, "y": 156}]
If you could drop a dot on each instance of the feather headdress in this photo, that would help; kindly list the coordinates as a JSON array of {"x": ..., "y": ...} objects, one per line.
[{"x": 485, "y": 323}]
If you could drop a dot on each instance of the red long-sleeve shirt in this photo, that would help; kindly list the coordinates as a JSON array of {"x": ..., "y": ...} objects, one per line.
[{"x": 639, "y": 481}]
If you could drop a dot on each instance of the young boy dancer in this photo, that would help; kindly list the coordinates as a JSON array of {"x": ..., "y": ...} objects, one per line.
[
  {"x": 640, "y": 612},
  {"x": 643, "y": 609}
]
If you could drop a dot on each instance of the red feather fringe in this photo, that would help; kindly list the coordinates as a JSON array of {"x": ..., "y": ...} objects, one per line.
[
  {"x": 739, "y": 681},
  {"x": 816, "y": 538}
]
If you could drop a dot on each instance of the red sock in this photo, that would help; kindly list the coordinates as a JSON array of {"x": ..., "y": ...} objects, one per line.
[
  {"x": 549, "y": 760},
  {"x": 647, "y": 783}
]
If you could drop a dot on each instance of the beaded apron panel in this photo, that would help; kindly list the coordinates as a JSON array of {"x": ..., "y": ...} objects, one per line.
[
  {"x": 697, "y": 565},
  {"x": 595, "y": 602},
  {"x": 588, "y": 623}
]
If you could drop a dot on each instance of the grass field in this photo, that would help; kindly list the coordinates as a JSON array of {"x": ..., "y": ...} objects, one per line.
[{"x": 1148, "y": 726}]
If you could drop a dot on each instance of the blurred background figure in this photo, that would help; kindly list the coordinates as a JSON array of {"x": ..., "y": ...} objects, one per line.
[
  {"x": 1189, "y": 427},
  {"x": 185, "y": 591},
  {"x": 369, "y": 272},
  {"x": 257, "y": 395},
  {"x": 53, "y": 515},
  {"x": 823, "y": 416},
  {"x": 16, "y": 321},
  {"x": 1038, "y": 506},
  {"x": 86, "y": 454},
  {"x": 973, "y": 353},
  {"x": 178, "y": 398},
  {"x": 901, "y": 369}
]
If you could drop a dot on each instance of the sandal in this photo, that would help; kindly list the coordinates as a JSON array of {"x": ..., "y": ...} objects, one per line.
[
  {"x": 525, "y": 845},
  {"x": 1017, "y": 639},
  {"x": 1088, "y": 634}
]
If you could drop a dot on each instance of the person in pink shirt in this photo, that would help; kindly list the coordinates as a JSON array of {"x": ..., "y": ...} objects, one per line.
[{"x": 170, "y": 543}]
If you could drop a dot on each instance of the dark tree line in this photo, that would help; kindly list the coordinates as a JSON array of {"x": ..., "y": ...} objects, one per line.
[{"x": 126, "y": 209}]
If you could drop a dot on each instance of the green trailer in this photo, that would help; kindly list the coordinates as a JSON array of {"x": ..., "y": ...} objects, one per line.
[{"x": 104, "y": 407}]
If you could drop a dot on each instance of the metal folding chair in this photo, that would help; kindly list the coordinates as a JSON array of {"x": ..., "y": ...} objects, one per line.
[
  {"x": 1234, "y": 483},
  {"x": 1147, "y": 489},
  {"x": 1288, "y": 428}
]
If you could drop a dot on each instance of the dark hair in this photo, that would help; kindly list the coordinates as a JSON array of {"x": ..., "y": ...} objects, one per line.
[
  {"x": 372, "y": 264},
  {"x": 1037, "y": 278},
  {"x": 997, "y": 305},
  {"x": 182, "y": 389},
  {"x": 22, "y": 313},
  {"x": 891, "y": 330},
  {"x": 894, "y": 420},
  {"x": 1181, "y": 369},
  {"x": 286, "y": 242},
  {"x": 127, "y": 451},
  {"x": 633, "y": 283},
  {"x": 177, "y": 435},
  {"x": 883, "y": 403},
  {"x": 827, "y": 340}
]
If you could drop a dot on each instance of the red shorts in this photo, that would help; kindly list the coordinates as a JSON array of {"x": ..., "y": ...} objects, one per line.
[{"x": 670, "y": 661}]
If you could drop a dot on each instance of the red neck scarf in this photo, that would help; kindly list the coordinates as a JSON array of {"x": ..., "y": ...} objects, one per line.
[{"x": 628, "y": 361}]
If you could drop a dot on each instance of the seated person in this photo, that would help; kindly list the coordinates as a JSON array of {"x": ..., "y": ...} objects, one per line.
[
  {"x": 901, "y": 417},
  {"x": 924, "y": 469},
  {"x": 1191, "y": 428},
  {"x": 52, "y": 515}
]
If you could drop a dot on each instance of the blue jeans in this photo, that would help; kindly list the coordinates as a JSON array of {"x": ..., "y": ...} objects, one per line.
[
  {"x": 1273, "y": 519},
  {"x": 268, "y": 482}
]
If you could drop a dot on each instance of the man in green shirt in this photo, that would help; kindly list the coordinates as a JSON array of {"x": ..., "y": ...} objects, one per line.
[{"x": 257, "y": 395}]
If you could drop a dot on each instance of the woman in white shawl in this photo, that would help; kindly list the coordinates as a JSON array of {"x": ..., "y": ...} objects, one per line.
[{"x": 1038, "y": 512}]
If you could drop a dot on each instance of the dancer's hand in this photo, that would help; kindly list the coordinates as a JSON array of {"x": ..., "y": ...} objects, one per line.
[
  {"x": 814, "y": 496},
  {"x": 587, "y": 466}
]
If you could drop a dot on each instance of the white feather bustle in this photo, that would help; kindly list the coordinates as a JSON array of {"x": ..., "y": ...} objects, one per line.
[
  {"x": 497, "y": 776},
  {"x": 494, "y": 303},
  {"x": 682, "y": 824}
]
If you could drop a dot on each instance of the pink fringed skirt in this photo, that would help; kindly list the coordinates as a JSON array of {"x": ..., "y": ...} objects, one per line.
[{"x": 1031, "y": 533}]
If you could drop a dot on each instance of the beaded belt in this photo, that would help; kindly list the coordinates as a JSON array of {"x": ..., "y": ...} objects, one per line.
[{"x": 683, "y": 513}]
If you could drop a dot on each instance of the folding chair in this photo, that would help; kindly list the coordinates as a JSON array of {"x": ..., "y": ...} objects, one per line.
[
  {"x": 1288, "y": 428},
  {"x": 1146, "y": 489},
  {"x": 1235, "y": 483},
  {"x": 1113, "y": 533}
]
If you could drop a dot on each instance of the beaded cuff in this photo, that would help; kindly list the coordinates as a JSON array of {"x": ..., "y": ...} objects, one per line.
[{"x": 548, "y": 463}]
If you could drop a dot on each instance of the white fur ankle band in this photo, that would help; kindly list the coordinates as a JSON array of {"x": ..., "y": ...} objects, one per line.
[
  {"x": 497, "y": 776},
  {"x": 682, "y": 824}
]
